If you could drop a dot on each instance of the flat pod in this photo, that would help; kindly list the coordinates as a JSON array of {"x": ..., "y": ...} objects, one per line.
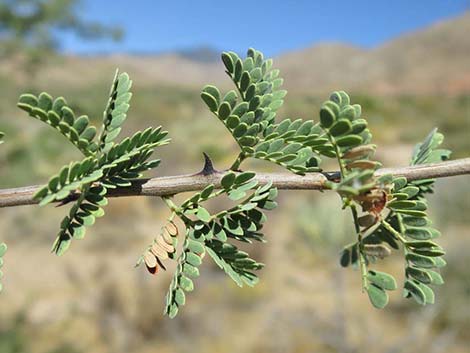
[
  {"x": 150, "y": 259},
  {"x": 164, "y": 245},
  {"x": 172, "y": 229},
  {"x": 159, "y": 252}
]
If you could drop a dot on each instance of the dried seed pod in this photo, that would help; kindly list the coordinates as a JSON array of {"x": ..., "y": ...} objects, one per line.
[
  {"x": 360, "y": 151},
  {"x": 159, "y": 252},
  {"x": 374, "y": 201},
  {"x": 378, "y": 250},
  {"x": 150, "y": 259},
  {"x": 152, "y": 270},
  {"x": 161, "y": 264},
  {"x": 172, "y": 229},
  {"x": 372, "y": 196},
  {"x": 367, "y": 220},
  {"x": 166, "y": 236},
  {"x": 163, "y": 244}
]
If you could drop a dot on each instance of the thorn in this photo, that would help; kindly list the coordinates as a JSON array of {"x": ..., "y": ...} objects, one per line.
[
  {"x": 208, "y": 166},
  {"x": 332, "y": 176}
]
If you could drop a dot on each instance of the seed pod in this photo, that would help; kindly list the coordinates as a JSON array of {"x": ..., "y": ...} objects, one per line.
[
  {"x": 166, "y": 236},
  {"x": 150, "y": 259},
  {"x": 160, "y": 264},
  {"x": 163, "y": 244},
  {"x": 172, "y": 229},
  {"x": 372, "y": 196},
  {"x": 360, "y": 151},
  {"x": 152, "y": 270},
  {"x": 378, "y": 250},
  {"x": 159, "y": 252}
]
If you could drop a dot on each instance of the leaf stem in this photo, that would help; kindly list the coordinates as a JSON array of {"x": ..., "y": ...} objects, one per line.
[
  {"x": 337, "y": 152},
  {"x": 171, "y": 205},
  {"x": 236, "y": 165},
  {"x": 362, "y": 260},
  {"x": 393, "y": 231}
]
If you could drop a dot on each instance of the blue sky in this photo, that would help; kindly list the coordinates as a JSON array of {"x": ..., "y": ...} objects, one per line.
[{"x": 271, "y": 26}]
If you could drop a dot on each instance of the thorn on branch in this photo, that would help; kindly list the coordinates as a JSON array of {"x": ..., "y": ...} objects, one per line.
[
  {"x": 332, "y": 176},
  {"x": 208, "y": 166}
]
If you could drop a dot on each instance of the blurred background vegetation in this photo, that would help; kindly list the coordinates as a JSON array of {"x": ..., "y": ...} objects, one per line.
[{"x": 93, "y": 300}]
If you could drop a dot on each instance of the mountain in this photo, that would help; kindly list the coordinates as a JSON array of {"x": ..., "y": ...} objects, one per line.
[
  {"x": 204, "y": 54},
  {"x": 433, "y": 60}
]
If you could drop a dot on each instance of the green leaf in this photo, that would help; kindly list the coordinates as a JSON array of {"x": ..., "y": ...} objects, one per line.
[
  {"x": 193, "y": 259},
  {"x": 89, "y": 134},
  {"x": 195, "y": 246},
  {"x": 349, "y": 141},
  {"x": 203, "y": 215},
  {"x": 382, "y": 280},
  {"x": 430, "y": 252},
  {"x": 81, "y": 123},
  {"x": 439, "y": 262},
  {"x": 210, "y": 101},
  {"x": 377, "y": 296},
  {"x": 436, "y": 277},
  {"x": 190, "y": 270},
  {"x": 415, "y": 221},
  {"x": 228, "y": 62},
  {"x": 44, "y": 101},
  {"x": 3, "y": 249},
  {"x": 348, "y": 113},
  {"x": 416, "y": 292},
  {"x": 421, "y": 261},
  {"x": 180, "y": 298},
  {"x": 232, "y": 121},
  {"x": 214, "y": 92},
  {"x": 245, "y": 80},
  {"x": 327, "y": 116},
  {"x": 418, "y": 233},
  {"x": 340, "y": 127},
  {"x": 186, "y": 284},
  {"x": 418, "y": 274},
  {"x": 244, "y": 177},
  {"x": 399, "y": 183},
  {"x": 228, "y": 180},
  {"x": 224, "y": 110},
  {"x": 428, "y": 293}
]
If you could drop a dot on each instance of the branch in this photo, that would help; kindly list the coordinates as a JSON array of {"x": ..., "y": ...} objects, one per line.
[{"x": 171, "y": 185}]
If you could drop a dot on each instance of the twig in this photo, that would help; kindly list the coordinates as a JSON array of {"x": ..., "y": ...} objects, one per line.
[{"x": 171, "y": 185}]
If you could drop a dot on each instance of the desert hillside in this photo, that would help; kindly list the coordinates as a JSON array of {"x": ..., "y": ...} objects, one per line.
[{"x": 431, "y": 60}]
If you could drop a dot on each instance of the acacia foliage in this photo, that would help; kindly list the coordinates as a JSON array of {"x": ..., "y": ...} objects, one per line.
[
  {"x": 106, "y": 164},
  {"x": 388, "y": 213}
]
